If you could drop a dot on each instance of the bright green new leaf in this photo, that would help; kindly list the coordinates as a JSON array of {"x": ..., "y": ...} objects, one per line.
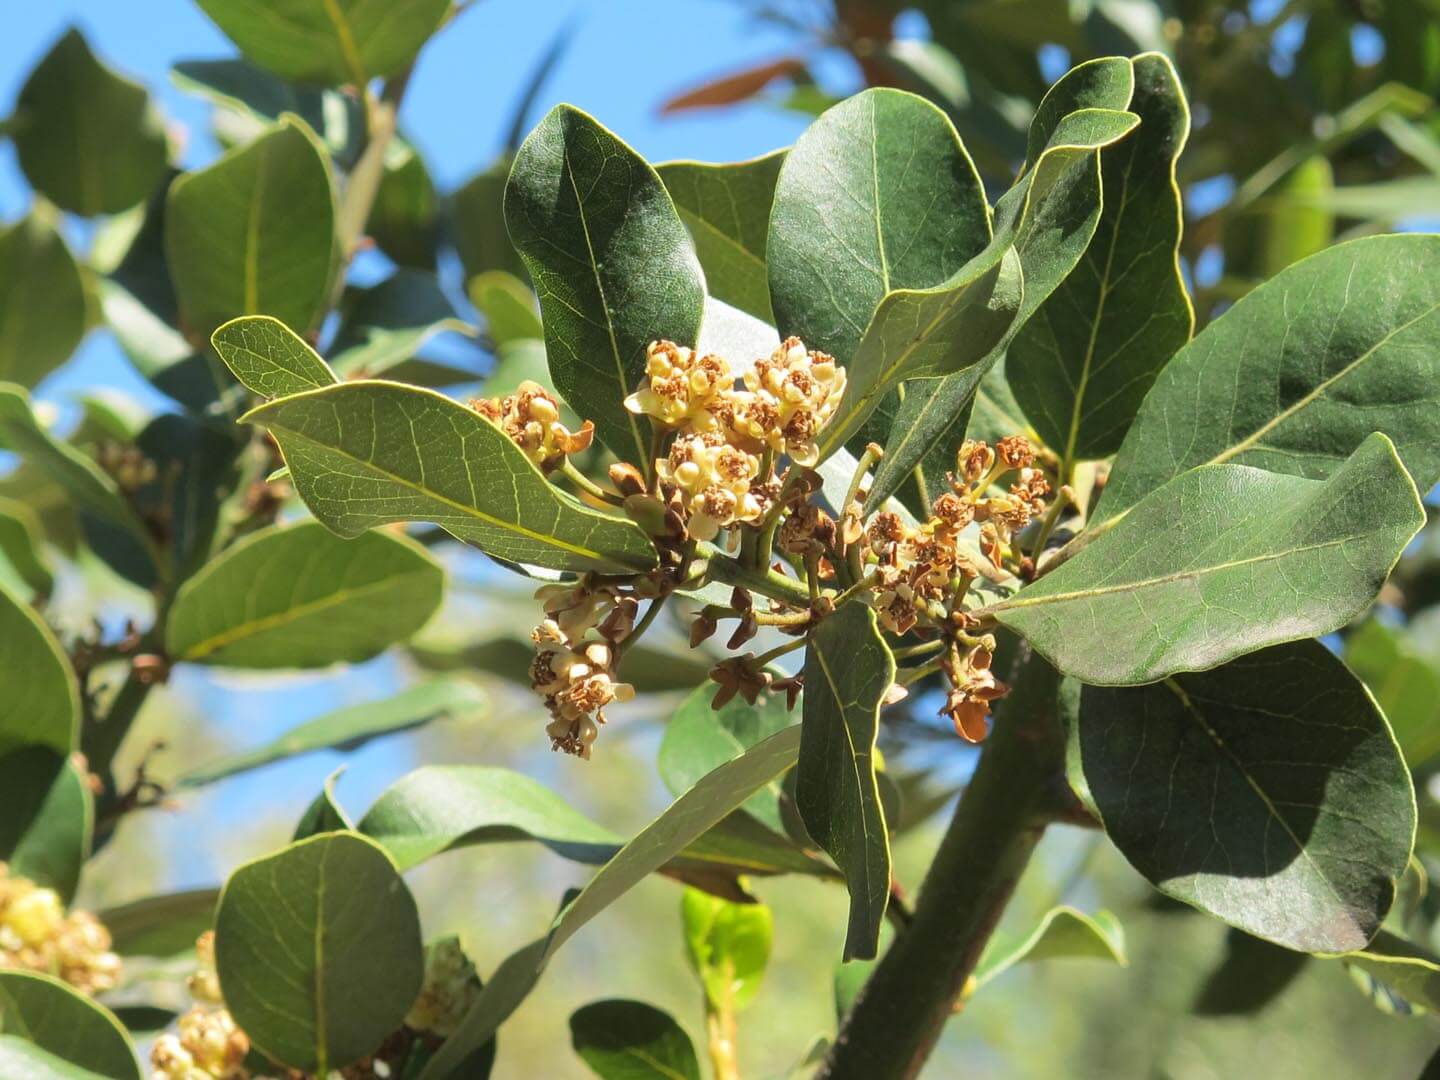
[
  {"x": 21, "y": 1059},
  {"x": 687, "y": 819},
  {"x": 508, "y": 306},
  {"x": 65, "y": 1023},
  {"x": 629, "y": 1040},
  {"x": 1404, "y": 682},
  {"x": 269, "y": 358},
  {"x": 1081, "y": 366},
  {"x": 163, "y": 925},
  {"x": 53, "y": 849},
  {"x": 352, "y": 726},
  {"x": 1221, "y": 561},
  {"x": 296, "y": 596},
  {"x": 42, "y": 301},
  {"x": 42, "y": 695},
  {"x": 848, "y": 670},
  {"x": 1343, "y": 343},
  {"x": 88, "y": 139},
  {"x": 329, "y": 41},
  {"x": 23, "y": 565},
  {"x": 1062, "y": 932},
  {"x": 1402, "y": 967},
  {"x": 612, "y": 264},
  {"x": 727, "y": 210},
  {"x": 1268, "y": 792},
  {"x": 369, "y": 453},
  {"x": 729, "y": 947},
  {"x": 383, "y": 325},
  {"x": 254, "y": 233},
  {"x": 318, "y": 949}
]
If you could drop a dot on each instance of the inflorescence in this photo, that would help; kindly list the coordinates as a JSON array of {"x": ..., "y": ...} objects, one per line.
[
  {"x": 36, "y": 934},
  {"x": 732, "y": 479}
]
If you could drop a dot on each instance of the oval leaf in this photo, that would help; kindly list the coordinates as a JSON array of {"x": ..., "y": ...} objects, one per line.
[
  {"x": 729, "y": 947},
  {"x": 164, "y": 925},
  {"x": 1062, "y": 932},
  {"x": 53, "y": 849},
  {"x": 42, "y": 301},
  {"x": 629, "y": 1040},
  {"x": 370, "y": 453},
  {"x": 318, "y": 949},
  {"x": 269, "y": 358},
  {"x": 1268, "y": 792},
  {"x": 42, "y": 695},
  {"x": 66, "y": 1024}
]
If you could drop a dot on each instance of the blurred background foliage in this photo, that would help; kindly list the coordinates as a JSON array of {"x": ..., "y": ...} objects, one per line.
[{"x": 1313, "y": 121}]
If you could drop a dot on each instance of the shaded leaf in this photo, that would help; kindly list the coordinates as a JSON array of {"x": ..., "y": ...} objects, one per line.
[
  {"x": 508, "y": 306},
  {"x": 163, "y": 925},
  {"x": 1268, "y": 792},
  {"x": 318, "y": 949},
  {"x": 1062, "y": 932},
  {"x": 729, "y": 947},
  {"x": 478, "y": 222},
  {"x": 629, "y": 1040},
  {"x": 20, "y": 1059},
  {"x": 612, "y": 264},
  {"x": 405, "y": 218},
  {"x": 65, "y": 1023},
  {"x": 42, "y": 301},
  {"x": 848, "y": 670},
  {"x": 42, "y": 696},
  {"x": 23, "y": 565},
  {"x": 53, "y": 849},
  {"x": 324, "y": 814},
  {"x": 370, "y": 453},
  {"x": 269, "y": 358},
  {"x": 299, "y": 596},
  {"x": 385, "y": 324},
  {"x": 1223, "y": 560}
]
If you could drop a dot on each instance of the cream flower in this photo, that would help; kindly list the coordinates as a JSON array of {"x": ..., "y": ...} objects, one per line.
[{"x": 531, "y": 418}]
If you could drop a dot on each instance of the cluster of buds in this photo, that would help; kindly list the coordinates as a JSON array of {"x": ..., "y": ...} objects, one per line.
[
  {"x": 207, "y": 1043},
  {"x": 531, "y": 417},
  {"x": 37, "y": 935},
  {"x": 573, "y": 670}
]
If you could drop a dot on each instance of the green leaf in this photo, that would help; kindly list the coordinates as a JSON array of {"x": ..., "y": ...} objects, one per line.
[
  {"x": 848, "y": 670},
  {"x": 53, "y": 849},
  {"x": 1284, "y": 228},
  {"x": 20, "y": 1059},
  {"x": 319, "y": 952},
  {"x": 685, "y": 821},
  {"x": 163, "y": 925},
  {"x": 612, "y": 264},
  {"x": 324, "y": 814},
  {"x": 509, "y": 307},
  {"x": 478, "y": 220},
  {"x": 299, "y": 596},
  {"x": 405, "y": 218},
  {"x": 385, "y": 324},
  {"x": 1348, "y": 341},
  {"x": 629, "y": 1040},
  {"x": 66, "y": 1024},
  {"x": 42, "y": 695},
  {"x": 727, "y": 210},
  {"x": 1401, "y": 966},
  {"x": 729, "y": 947},
  {"x": 42, "y": 301},
  {"x": 89, "y": 140},
  {"x": 1223, "y": 560},
  {"x": 699, "y": 739},
  {"x": 329, "y": 41},
  {"x": 1062, "y": 932},
  {"x": 1405, "y": 683},
  {"x": 351, "y": 727},
  {"x": 1081, "y": 366},
  {"x": 254, "y": 233},
  {"x": 370, "y": 453},
  {"x": 23, "y": 565},
  {"x": 269, "y": 358},
  {"x": 1268, "y": 792}
]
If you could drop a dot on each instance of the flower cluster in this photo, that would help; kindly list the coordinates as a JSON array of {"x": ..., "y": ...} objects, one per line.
[
  {"x": 531, "y": 417},
  {"x": 37, "y": 935},
  {"x": 208, "y": 1044}
]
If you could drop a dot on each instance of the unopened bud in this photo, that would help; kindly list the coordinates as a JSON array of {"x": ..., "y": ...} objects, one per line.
[
  {"x": 701, "y": 629},
  {"x": 628, "y": 480}
]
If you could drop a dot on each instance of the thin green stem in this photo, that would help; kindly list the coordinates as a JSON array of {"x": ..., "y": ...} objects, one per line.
[
  {"x": 779, "y": 651},
  {"x": 909, "y": 652},
  {"x": 906, "y": 676},
  {"x": 867, "y": 582},
  {"x": 762, "y": 580},
  {"x": 585, "y": 484}
]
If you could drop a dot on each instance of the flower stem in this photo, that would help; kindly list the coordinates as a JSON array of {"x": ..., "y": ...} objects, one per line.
[
  {"x": 779, "y": 651},
  {"x": 585, "y": 484},
  {"x": 761, "y": 579}
]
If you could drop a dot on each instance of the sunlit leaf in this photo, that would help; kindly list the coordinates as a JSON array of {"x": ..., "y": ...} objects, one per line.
[
  {"x": 729, "y": 947},
  {"x": 269, "y": 358}
]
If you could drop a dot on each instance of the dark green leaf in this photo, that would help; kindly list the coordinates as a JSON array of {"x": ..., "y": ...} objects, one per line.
[
  {"x": 685, "y": 821},
  {"x": 1223, "y": 560},
  {"x": 478, "y": 213},
  {"x": 385, "y": 324},
  {"x": 66, "y": 1024},
  {"x": 269, "y": 358},
  {"x": 42, "y": 301},
  {"x": 1268, "y": 792},
  {"x": 329, "y": 41},
  {"x": 324, "y": 814},
  {"x": 370, "y": 453},
  {"x": 254, "y": 233},
  {"x": 53, "y": 849},
  {"x": 629, "y": 1040},
  {"x": 1347, "y": 341},
  {"x": 89, "y": 139},
  {"x": 318, "y": 949},
  {"x": 353, "y": 726},
  {"x": 729, "y": 947},
  {"x": 727, "y": 210},
  {"x": 1081, "y": 366},
  {"x": 42, "y": 696},
  {"x": 1062, "y": 932},
  {"x": 848, "y": 670},
  {"x": 164, "y": 925},
  {"x": 405, "y": 219},
  {"x": 612, "y": 264},
  {"x": 23, "y": 566},
  {"x": 508, "y": 305},
  {"x": 299, "y": 596}
]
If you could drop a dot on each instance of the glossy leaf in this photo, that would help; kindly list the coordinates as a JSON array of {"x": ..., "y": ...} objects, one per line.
[
  {"x": 686, "y": 820},
  {"x": 53, "y": 849},
  {"x": 612, "y": 264},
  {"x": 65, "y": 1023},
  {"x": 254, "y": 233},
  {"x": 42, "y": 301},
  {"x": 1347, "y": 342},
  {"x": 629, "y": 1040},
  {"x": 299, "y": 596},
  {"x": 508, "y": 305},
  {"x": 729, "y": 947},
  {"x": 89, "y": 139},
  {"x": 369, "y": 453},
  {"x": 43, "y": 697},
  {"x": 23, "y": 565},
  {"x": 1081, "y": 366},
  {"x": 727, "y": 210},
  {"x": 162, "y": 925},
  {"x": 1223, "y": 560},
  {"x": 269, "y": 358},
  {"x": 848, "y": 670},
  {"x": 318, "y": 949},
  {"x": 1062, "y": 933},
  {"x": 329, "y": 41},
  {"x": 352, "y": 726},
  {"x": 1267, "y": 792},
  {"x": 383, "y": 325}
]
